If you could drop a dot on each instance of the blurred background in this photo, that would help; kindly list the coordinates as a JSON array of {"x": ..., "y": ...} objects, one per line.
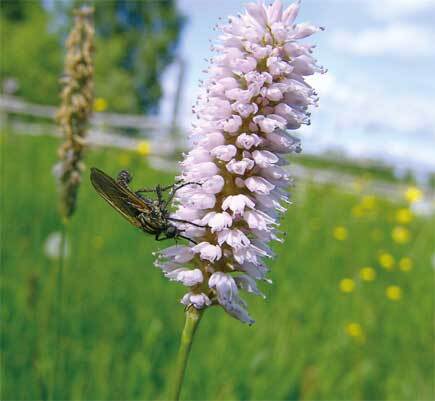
[{"x": 350, "y": 312}]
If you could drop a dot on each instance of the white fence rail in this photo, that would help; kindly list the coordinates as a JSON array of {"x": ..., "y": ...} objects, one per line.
[
  {"x": 14, "y": 105},
  {"x": 163, "y": 146}
]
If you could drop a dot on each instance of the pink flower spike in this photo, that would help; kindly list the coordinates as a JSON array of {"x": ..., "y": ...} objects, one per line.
[{"x": 254, "y": 95}]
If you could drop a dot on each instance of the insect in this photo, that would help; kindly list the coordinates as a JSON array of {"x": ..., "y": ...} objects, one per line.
[{"x": 151, "y": 216}]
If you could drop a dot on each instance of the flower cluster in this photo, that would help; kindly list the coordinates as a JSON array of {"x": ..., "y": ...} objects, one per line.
[
  {"x": 77, "y": 101},
  {"x": 256, "y": 93}
]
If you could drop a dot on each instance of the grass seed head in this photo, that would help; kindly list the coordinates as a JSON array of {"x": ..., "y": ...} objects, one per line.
[{"x": 76, "y": 107}]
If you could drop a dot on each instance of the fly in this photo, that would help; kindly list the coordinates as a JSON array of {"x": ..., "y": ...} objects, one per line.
[{"x": 151, "y": 216}]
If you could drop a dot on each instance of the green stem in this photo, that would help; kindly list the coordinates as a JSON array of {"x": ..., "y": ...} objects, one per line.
[
  {"x": 193, "y": 316},
  {"x": 59, "y": 305}
]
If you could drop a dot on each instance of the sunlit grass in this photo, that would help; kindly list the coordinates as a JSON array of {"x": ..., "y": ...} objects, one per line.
[{"x": 312, "y": 340}]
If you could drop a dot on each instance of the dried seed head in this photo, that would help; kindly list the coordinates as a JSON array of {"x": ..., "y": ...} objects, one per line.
[{"x": 76, "y": 107}]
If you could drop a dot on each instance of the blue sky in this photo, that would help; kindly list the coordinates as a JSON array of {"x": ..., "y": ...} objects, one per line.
[{"x": 378, "y": 97}]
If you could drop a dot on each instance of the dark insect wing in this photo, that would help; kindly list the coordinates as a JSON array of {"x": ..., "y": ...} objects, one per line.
[{"x": 120, "y": 198}]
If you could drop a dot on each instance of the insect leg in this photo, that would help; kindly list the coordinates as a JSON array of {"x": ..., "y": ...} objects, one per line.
[
  {"x": 175, "y": 189},
  {"x": 189, "y": 239},
  {"x": 159, "y": 195},
  {"x": 145, "y": 190},
  {"x": 167, "y": 187},
  {"x": 178, "y": 186},
  {"x": 183, "y": 185},
  {"x": 185, "y": 221},
  {"x": 163, "y": 189}
]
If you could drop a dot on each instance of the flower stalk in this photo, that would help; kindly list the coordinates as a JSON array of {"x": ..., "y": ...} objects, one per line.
[
  {"x": 59, "y": 308},
  {"x": 193, "y": 317},
  {"x": 73, "y": 117}
]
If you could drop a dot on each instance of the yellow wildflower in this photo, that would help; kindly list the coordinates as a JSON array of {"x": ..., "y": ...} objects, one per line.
[
  {"x": 404, "y": 216},
  {"x": 340, "y": 233},
  {"x": 386, "y": 260},
  {"x": 405, "y": 264},
  {"x": 368, "y": 202},
  {"x": 143, "y": 148},
  {"x": 400, "y": 235},
  {"x": 347, "y": 285},
  {"x": 393, "y": 292},
  {"x": 367, "y": 273},
  {"x": 355, "y": 331},
  {"x": 100, "y": 104},
  {"x": 413, "y": 194}
]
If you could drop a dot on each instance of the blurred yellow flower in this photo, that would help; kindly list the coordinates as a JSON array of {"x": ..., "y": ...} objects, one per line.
[
  {"x": 386, "y": 260},
  {"x": 368, "y": 202},
  {"x": 404, "y": 216},
  {"x": 367, "y": 273},
  {"x": 124, "y": 159},
  {"x": 405, "y": 264},
  {"x": 143, "y": 148},
  {"x": 413, "y": 194},
  {"x": 100, "y": 104},
  {"x": 347, "y": 285},
  {"x": 355, "y": 331},
  {"x": 339, "y": 233},
  {"x": 393, "y": 292},
  {"x": 400, "y": 234}
]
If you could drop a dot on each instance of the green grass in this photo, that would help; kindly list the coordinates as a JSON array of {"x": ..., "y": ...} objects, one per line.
[{"x": 122, "y": 319}]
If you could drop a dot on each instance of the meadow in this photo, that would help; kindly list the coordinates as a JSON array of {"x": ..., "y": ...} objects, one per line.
[{"x": 349, "y": 314}]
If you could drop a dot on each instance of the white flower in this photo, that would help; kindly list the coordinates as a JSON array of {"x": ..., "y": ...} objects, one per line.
[
  {"x": 179, "y": 254},
  {"x": 237, "y": 203},
  {"x": 264, "y": 158},
  {"x": 199, "y": 301},
  {"x": 208, "y": 142},
  {"x": 259, "y": 185},
  {"x": 225, "y": 286},
  {"x": 234, "y": 238},
  {"x": 201, "y": 200},
  {"x": 240, "y": 166},
  {"x": 255, "y": 94},
  {"x": 213, "y": 185},
  {"x": 224, "y": 152},
  {"x": 248, "y": 284},
  {"x": 232, "y": 124},
  {"x": 208, "y": 251},
  {"x": 246, "y": 141},
  {"x": 258, "y": 220},
  {"x": 217, "y": 221},
  {"x": 186, "y": 276}
]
